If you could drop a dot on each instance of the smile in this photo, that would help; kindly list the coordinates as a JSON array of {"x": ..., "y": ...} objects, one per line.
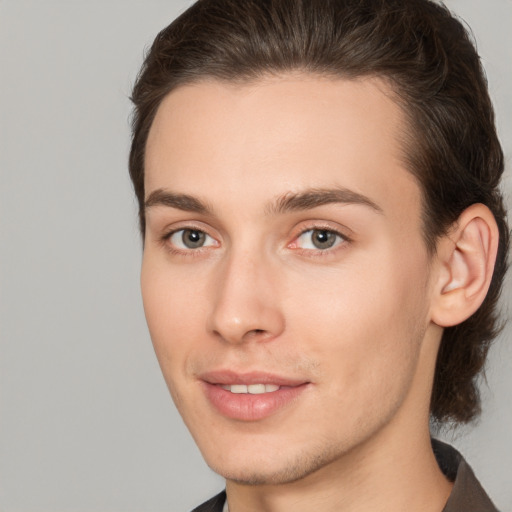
[
  {"x": 253, "y": 389},
  {"x": 251, "y": 396}
]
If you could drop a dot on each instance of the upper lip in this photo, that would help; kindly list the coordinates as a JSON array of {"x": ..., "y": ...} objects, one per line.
[{"x": 229, "y": 377}]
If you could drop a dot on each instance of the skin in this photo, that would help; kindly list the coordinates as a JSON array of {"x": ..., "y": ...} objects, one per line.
[{"x": 353, "y": 321}]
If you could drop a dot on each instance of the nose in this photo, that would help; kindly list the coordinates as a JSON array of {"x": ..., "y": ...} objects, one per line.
[{"x": 246, "y": 301}]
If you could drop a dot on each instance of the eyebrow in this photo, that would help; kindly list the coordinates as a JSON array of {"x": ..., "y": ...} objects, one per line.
[
  {"x": 289, "y": 202},
  {"x": 161, "y": 197},
  {"x": 313, "y": 198}
]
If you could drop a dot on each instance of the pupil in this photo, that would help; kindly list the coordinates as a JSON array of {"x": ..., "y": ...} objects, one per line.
[
  {"x": 323, "y": 239},
  {"x": 193, "y": 238}
]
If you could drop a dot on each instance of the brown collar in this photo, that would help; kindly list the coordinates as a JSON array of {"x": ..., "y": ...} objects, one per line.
[{"x": 467, "y": 494}]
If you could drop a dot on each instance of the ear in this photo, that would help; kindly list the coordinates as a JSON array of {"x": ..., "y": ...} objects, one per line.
[{"x": 466, "y": 257}]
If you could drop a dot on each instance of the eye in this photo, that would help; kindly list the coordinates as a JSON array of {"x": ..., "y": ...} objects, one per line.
[
  {"x": 319, "y": 239},
  {"x": 186, "y": 239}
]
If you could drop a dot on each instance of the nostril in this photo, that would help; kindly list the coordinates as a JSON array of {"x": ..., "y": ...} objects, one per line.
[{"x": 257, "y": 334}]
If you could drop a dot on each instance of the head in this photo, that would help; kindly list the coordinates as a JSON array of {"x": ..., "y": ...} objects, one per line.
[{"x": 424, "y": 61}]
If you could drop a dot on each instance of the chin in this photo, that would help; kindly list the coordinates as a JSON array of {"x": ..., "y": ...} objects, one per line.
[{"x": 268, "y": 471}]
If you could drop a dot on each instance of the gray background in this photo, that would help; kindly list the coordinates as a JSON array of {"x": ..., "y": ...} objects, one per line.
[{"x": 86, "y": 423}]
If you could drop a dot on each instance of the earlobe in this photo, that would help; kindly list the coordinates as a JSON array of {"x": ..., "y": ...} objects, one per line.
[{"x": 466, "y": 257}]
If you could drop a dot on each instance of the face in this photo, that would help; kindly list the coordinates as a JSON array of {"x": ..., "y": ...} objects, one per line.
[{"x": 285, "y": 279}]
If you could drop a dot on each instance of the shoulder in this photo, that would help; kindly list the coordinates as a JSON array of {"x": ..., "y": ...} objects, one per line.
[{"x": 214, "y": 504}]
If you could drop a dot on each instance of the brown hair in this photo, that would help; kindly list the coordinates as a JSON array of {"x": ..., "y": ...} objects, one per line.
[{"x": 428, "y": 58}]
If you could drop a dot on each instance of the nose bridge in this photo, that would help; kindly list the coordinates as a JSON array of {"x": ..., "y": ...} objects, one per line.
[{"x": 246, "y": 303}]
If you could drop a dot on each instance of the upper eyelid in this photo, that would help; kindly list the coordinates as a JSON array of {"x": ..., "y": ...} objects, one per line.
[
  {"x": 321, "y": 228},
  {"x": 169, "y": 230},
  {"x": 343, "y": 231},
  {"x": 172, "y": 233},
  {"x": 167, "y": 235},
  {"x": 187, "y": 228}
]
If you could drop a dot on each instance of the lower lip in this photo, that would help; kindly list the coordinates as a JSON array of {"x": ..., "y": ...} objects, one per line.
[{"x": 247, "y": 407}]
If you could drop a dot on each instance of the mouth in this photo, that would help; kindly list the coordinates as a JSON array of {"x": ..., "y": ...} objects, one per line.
[
  {"x": 252, "y": 389},
  {"x": 251, "y": 396}
]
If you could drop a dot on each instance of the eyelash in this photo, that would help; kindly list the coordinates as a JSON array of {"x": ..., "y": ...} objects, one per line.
[
  {"x": 166, "y": 242},
  {"x": 343, "y": 239}
]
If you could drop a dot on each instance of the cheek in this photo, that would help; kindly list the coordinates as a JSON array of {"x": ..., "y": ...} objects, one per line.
[
  {"x": 365, "y": 325},
  {"x": 173, "y": 316},
  {"x": 172, "y": 313}
]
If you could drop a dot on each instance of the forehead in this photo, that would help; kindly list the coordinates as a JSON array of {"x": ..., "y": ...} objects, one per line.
[{"x": 277, "y": 135}]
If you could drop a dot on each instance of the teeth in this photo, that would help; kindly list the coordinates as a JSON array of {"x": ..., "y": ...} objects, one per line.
[
  {"x": 256, "y": 389},
  {"x": 253, "y": 389}
]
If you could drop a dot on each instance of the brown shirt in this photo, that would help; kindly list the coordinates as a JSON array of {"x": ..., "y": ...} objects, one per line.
[{"x": 467, "y": 494}]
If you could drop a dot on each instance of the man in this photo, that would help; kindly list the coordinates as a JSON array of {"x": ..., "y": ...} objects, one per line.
[{"x": 324, "y": 246}]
